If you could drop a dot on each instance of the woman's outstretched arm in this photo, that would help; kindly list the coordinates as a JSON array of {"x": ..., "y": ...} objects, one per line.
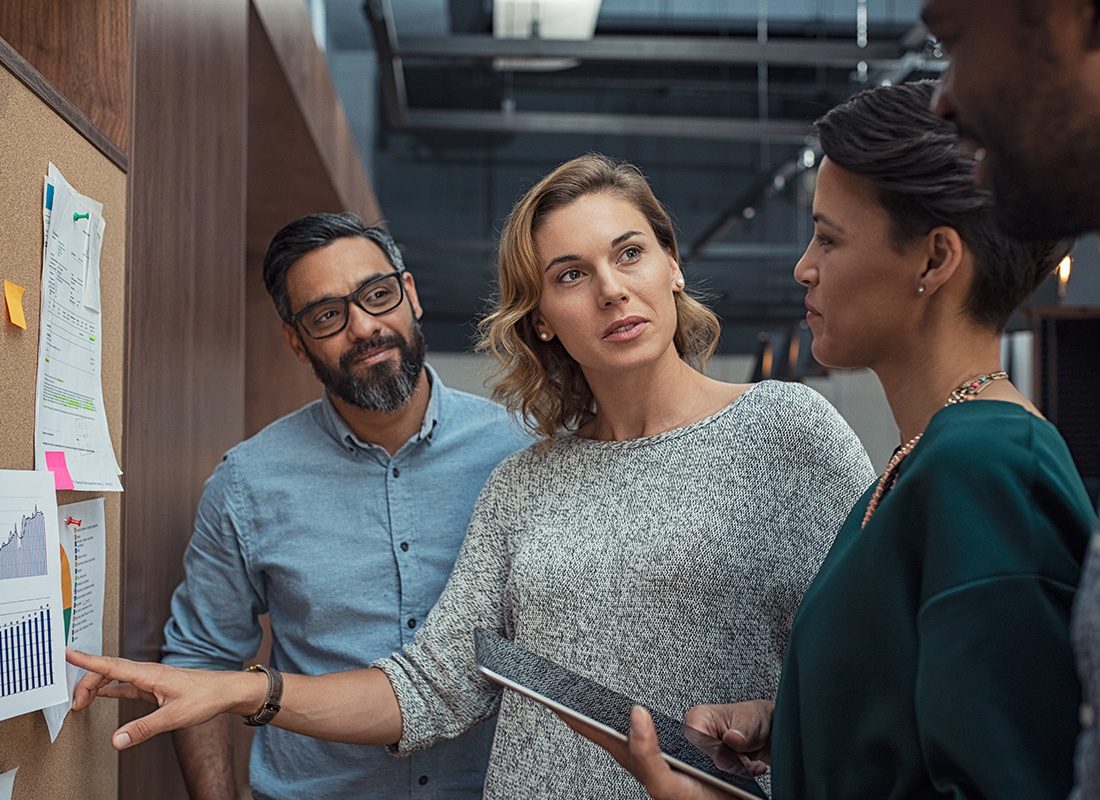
[{"x": 358, "y": 707}]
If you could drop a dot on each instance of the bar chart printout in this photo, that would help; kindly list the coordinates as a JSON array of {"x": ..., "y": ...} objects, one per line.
[
  {"x": 26, "y": 652},
  {"x": 32, "y": 628}
]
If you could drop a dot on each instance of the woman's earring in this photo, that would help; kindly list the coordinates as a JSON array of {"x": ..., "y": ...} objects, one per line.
[
  {"x": 920, "y": 289},
  {"x": 544, "y": 336},
  {"x": 680, "y": 282}
]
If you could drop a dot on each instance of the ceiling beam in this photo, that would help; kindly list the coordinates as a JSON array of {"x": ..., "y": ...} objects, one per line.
[
  {"x": 715, "y": 128},
  {"x": 653, "y": 49}
]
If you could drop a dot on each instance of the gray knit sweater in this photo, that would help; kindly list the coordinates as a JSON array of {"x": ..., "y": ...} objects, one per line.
[{"x": 667, "y": 568}]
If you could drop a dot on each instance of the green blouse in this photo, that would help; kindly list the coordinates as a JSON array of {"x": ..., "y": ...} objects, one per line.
[{"x": 931, "y": 656}]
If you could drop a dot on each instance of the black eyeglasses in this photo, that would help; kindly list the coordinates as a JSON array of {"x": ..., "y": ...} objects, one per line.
[{"x": 377, "y": 296}]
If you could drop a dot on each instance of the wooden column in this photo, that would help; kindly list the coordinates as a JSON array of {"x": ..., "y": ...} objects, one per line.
[
  {"x": 298, "y": 138},
  {"x": 185, "y": 376}
]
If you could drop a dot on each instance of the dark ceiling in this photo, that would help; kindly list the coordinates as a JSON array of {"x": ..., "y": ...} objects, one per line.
[{"x": 712, "y": 99}]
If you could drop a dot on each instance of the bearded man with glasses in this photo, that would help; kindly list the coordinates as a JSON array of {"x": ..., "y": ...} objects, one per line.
[{"x": 341, "y": 520}]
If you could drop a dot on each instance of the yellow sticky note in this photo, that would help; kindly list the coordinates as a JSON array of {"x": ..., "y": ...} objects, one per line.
[{"x": 13, "y": 293}]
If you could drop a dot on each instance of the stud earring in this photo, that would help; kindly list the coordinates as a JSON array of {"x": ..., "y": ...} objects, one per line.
[
  {"x": 680, "y": 282},
  {"x": 544, "y": 336},
  {"x": 920, "y": 289}
]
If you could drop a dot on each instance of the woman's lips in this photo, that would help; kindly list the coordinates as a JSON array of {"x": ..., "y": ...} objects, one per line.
[{"x": 626, "y": 330}]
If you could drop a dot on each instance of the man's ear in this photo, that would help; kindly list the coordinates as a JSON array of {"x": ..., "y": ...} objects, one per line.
[
  {"x": 944, "y": 253},
  {"x": 410, "y": 290},
  {"x": 294, "y": 339}
]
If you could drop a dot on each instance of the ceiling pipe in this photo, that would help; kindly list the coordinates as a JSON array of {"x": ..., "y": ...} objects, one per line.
[
  {"x": 391, "y": 52},
  {"x": 777, "y": 180},
  {"x": 651, "y": 49}
]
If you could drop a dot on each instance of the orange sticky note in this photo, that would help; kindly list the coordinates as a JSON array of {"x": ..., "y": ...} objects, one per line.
[
  {"x": 13, "y": 293},
  {"x": 55, "y": 463}
]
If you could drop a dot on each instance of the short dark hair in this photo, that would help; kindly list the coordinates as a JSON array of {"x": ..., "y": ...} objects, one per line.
[
  {"x": 310, "y": 233},
  {"x": 924, "y": 177}
]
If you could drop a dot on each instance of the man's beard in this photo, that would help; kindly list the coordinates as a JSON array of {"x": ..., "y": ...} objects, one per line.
[
  {"x": 1042, "y": 184},
  {"x": 382, "y": 387}
]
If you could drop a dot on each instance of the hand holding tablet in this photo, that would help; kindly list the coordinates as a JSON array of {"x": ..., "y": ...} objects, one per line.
[{"x": 601, "y": 714}]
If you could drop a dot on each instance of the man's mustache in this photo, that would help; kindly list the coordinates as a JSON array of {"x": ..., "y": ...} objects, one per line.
[{"x": 362, "y": 348}]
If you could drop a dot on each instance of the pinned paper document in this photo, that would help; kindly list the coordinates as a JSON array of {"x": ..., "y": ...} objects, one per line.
[
  {"x": 13, "y": 294},
  {"x": 83, "y": 582},
  {"x": 7, "y": 784},
  {"x": 32, "y": 628},
  {"x": 70, "y": 416}
]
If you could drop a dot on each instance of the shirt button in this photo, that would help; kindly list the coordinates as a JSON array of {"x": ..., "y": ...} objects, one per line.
[
  {"x": 412, "y": 623},
  {"x": 423, "y": 780},
  {"x": 1086, "y": 716},
  {"x": 405, "y": 546},
  {"x": 396, "y": 472}
]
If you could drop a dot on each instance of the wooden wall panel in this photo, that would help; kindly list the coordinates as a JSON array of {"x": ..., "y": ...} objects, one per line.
[
  {"x": 185, "y": 386},
  {"x": 83, "y": 49},
  {"x": 287, "y": 28},
  {"x": 282, "y": 153},
  {"x": 297, "y": 137}
]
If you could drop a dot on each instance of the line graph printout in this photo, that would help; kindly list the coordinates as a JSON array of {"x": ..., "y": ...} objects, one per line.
[
  {"x": 32, "y": 627},
  {"x": 23, "y": 547},
  {"x": 70, "y": 417}
]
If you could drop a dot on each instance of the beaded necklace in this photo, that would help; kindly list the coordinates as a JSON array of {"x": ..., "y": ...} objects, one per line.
[{"x": 966, "y": 391}]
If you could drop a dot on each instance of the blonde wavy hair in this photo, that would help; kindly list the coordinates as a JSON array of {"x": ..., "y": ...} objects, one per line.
[{"x": 540, "y": 379}]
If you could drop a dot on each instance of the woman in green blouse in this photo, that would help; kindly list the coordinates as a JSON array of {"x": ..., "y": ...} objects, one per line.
[{"x": 931, "y": 656}]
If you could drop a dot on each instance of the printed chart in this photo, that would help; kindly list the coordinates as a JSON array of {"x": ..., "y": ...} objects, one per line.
[
  {"x": 23, "y": 548},
  {"x": 26, "y": 651},
  {"x": 83, "y": 564},
  {"x": 32, "y": 627}
]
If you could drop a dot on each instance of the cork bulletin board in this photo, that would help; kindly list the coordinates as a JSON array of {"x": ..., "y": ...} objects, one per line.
[{"x": 81, "y": 763}]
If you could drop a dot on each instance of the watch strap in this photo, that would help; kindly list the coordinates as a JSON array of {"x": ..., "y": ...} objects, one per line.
[{"x": 273, "y": 700}]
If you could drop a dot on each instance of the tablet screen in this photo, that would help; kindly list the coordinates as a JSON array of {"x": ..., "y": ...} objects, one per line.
[{"x": 563, "y": 690}]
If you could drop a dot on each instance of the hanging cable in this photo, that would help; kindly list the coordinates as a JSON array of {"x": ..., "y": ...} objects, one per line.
[{"x": 762, "y": 80}]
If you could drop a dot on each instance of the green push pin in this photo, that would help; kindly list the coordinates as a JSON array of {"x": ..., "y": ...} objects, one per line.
[{"x": 77, "y": 217}]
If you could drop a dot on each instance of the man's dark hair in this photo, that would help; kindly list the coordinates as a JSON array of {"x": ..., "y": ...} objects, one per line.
[
  {"x": 924, "y": 177},
  {"x": 310, "y": 233}
]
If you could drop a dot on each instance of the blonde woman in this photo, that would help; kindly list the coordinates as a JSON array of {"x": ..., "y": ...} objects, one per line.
[{"x": 667, "y": 526}]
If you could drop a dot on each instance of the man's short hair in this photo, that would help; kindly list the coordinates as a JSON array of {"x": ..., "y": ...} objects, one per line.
[
  {"x": 308, "y": 234},
  {"x": 923, "y": 175}
]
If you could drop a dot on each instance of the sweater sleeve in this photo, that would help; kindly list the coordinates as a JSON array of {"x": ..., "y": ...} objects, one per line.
[
  {"x": 439, "y": 689},
  {"x": 996, "y": 692},
  {"x": 827, "y": 468},
  {"x": 820, "y": 468}
]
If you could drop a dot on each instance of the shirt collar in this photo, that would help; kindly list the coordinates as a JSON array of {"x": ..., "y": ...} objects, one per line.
[{"x": 334, "y": 424}]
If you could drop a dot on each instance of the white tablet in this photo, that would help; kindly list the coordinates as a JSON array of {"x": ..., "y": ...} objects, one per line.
[{"x": 577, "y": 697}]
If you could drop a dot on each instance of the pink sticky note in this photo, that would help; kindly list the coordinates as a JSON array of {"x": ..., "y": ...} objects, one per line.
[{"x": 55, "y": 463}]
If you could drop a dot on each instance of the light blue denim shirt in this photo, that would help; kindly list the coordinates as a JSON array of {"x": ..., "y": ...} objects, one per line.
[{"x": 347, "y": 549}]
